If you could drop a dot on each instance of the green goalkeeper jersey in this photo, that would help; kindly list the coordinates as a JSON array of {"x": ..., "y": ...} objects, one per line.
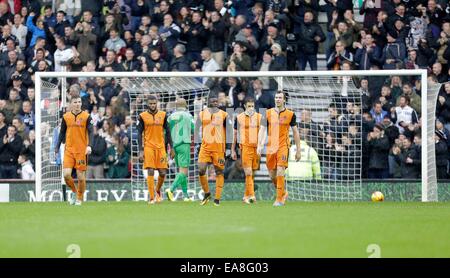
[{"x": 181, "y": 124}]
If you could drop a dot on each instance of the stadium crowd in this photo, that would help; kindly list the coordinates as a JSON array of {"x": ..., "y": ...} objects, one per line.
[{"x": 237, "y": 35}]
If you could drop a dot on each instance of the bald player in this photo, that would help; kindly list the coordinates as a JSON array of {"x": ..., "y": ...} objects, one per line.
[
  {"x": 181, "y": 124},
  {"x": 153, "y": 138},
  {"x": 246, "y": 129},
  {"x": 77, "y": 133},
  {"x": 276, "y": 123},
  {"x": 212, "y": 121}
]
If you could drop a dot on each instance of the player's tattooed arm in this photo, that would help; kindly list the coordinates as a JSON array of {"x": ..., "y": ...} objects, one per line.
[
  {"x": 140, "y": 128},
  {"x": 168, "y": 137},
  {"x": 90, "y": 131},
  {"x": 296, "y": 134}
]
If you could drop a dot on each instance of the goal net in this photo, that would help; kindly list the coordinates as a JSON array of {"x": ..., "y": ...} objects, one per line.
[
  {"x": 50, "y": 164},
  {"x": 167, "y": 90},
  {"x": 329, "y": 108},
  {"x": 329, "y": 114}
]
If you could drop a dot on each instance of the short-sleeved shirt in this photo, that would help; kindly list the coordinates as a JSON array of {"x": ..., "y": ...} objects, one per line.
[
  {"x": 77, "y": 138},
  {"x": 278, "y": 124},
  {"x": 213, "y": 130},
  {"x": 248, "y": 128},
  {"x": 154, "y": 126}
]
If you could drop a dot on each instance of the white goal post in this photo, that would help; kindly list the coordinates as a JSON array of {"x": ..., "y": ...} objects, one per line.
[{"x": 428, "y": 169}]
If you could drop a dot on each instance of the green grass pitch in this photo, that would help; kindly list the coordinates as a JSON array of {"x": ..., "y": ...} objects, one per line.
[{"x": 134, "y": 229}]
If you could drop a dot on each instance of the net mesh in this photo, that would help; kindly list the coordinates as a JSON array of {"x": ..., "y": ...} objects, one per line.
[
  {"x": 166, "y": 90},
  {"x": 329, "y": 117},
  {"x": 50, "y": 125}
]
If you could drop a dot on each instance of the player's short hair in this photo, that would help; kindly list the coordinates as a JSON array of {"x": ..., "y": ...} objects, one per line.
[
  {"x": 74, "y": 96},
  {"x": 181, "y": 102},
  {"x": 249, "y": 99},
  {"x": 285, "y": 96},
  {"x": 152, "y": 97}
]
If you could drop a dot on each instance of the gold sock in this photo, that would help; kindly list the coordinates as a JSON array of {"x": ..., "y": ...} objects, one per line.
[
  {"x": 219, "y": 186},
  {"x": 151, "y": 187},
  {"x": 280, "y": 188},
  {"x": 204, "y": 183}
]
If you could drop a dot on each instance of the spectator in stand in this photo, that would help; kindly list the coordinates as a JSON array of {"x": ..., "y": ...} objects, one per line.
[
  {"x": 169, "y": 32},
  {"x": 139, "y": 8},
  {"x": 441, "y": 154},
  {"x": 179, "y": 61},
  {"x": 414, "y": 98},
  {"x": 272, "y": 36},
  {"x": 195, "y": 36},
  {"x": 440, "y": 74},
  {"x": 215, "y": 31},
  {"x": 403, "y": 115},
  {"x": 37, "y": 29},
  {"x": 114, "y": 43},
  {"x": 239, "y": 60},
  {"x": 310, "y": 35},
  {"x": 20, "y": 31},
  {"x": 3, "y": 125},
  {"x": 409, "y": 159},
  {"x": 86, "y": 42},
  {"x": 377, "y": 112},
  {"x": 117, "y": 158},
  {"x": 209, "y": 64},
  {"x": 26, "y": 168},
  {"x": 379, "y": 146},
  {"x": 63, "y": 55},
  {"x": 27, "y": 114},
  {"x": 443, "y": 106},
  {"x": 10, "y": 146},
  {"x": 394, "y": 53},
  {"x": 367, "y": 53},
  {"x": 370, "y": 10},
  {"x": 97, "y": 158},
  {"x": 339, "y": 55},
  {"x": 264, "y": 98},
  {"x": 130, "y": 63}
]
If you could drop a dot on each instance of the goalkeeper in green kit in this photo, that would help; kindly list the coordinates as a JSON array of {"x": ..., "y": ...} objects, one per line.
[{"x": 181, "y": 124}]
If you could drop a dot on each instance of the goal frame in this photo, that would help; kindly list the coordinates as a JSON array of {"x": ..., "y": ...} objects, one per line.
[{"x": 416, "y": 72}]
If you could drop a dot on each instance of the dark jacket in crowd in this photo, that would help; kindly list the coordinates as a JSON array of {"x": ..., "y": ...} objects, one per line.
[
  {"x": 443, "y": 110},
  {"x": 409, "y": 170},
  {"x": 306, "y": 43},
  {"x": 392, "y": 132},
  {"x": 98, "y": 155},
  {"x": 394, "y": 51},
  {"x": 365, "y": 59},
  {"x": 379, "y": 153},
  {"x": 441, "y": 159},
  {"x": 131, "y": 65},
  {"x": 195, "y": 42},
  {"x": 216, "y": 37},
  {"x": 10, "y": 151},
  {"x": 179, "y": 64},
  {"x": 266, "y": 100}
]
